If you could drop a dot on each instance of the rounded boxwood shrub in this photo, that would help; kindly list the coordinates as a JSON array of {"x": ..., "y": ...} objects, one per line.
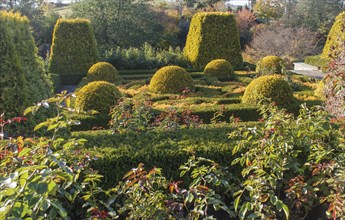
[
  {"x": 219, "y": 68},
  {"x": 73, "y": 49},
  {"x": 269, "y": 65},
  {"x": 97, "y": 95},
  {"x": 213, "y": 35},
  {"x": 170, "y": 79},
  {"x": 273, "y": 87},
  {"x": 103, "y": 71}
]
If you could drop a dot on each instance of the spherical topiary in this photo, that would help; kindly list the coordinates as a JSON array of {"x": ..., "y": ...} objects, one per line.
[
  {"x": 273, "y": 87},
  {"x": 97, "y": 95},
  {"x": 103, "y": 71},
  {"x": 269, "y": 65},
  {"x": 219, "y": 68},
  {"x": 170, "y": 79}
]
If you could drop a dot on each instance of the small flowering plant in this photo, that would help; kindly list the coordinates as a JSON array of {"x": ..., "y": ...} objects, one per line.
[{"x": 4, "y": 122}]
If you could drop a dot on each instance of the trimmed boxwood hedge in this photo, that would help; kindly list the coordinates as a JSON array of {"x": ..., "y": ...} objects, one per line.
[
  {"x": 213, "y": 35},
  {"x": 118, "y": 153},
  {"x": 243, "y": 112},
  {"x": 23, "y": 80},
  {"x": 73, "y": 49},
  {"x": 333, "y": 35}
]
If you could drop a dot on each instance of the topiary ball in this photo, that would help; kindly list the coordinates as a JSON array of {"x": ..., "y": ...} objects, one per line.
[
  {"x": 170, "y": 79},
  {"x": 269, "y": 65},
  {"x": 103, "y": 71},
  {"x": 273, "y": 87},
  {"x": 219, "y": 68},
  {"x": 97, "y": 95}
]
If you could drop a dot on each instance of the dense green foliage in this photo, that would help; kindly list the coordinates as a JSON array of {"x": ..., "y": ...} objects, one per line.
[
  {"x": 171, "y": 79},
  {"x": 294, "y": 172},
  {"x": 269, "y": 65},
  {"x": 145, "y": 57},
  {"x": 42, "y": 20},
  {"x": 122, "y": 23},
  {"x": 213, "y": 36},
  {"x": 165, "y": 149},
  {"x": 332, "y": 45},
  {"x": 316, "y": 15},
  {"x": 320, "y": 90},
  {"x": 270, "y": 87},
  {"x": 219, "y": 68},
  {"x": 73, "y": 50},
  {"x": 103, "y": 71},
  {"x": 269, "y": 9},
  {"x": 97, "y": 95},
  {"x": 23, "y": 80}
]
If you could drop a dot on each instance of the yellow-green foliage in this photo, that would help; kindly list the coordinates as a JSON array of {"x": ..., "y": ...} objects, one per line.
[
  {"x": 269, "y": 65},
  {"x": 213, "y": 35},
  {"x": 103, "y": 71},
  {"x": 335, "y": 33},
  {"x": 273, "y": 87},
  {"x": 73, "y": 49},
  {"x": 320, "y": 90},
  {"x": 22, "y": 77},
  {"x": 170, "y": 79},
  {"x": 219, "y": 68},
  {"x": 97, "y": 95}
]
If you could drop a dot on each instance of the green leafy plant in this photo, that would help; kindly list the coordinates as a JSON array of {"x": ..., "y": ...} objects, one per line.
[
  {"x": 131, "y": 115},
  {"x": 35, "y": 180},
  {"x": 301, "y": 157}
]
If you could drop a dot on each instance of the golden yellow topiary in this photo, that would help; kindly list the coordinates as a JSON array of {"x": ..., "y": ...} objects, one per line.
[
  {"x": 320, "y": 90},
  {"x": 273, "y": 87},
  {"x": 170, "y": 79},
  {"x": 269, "y": 65},
  {"x": 103, "y": 71},
  {"x": 333, "y": 35},
  {"x": 213, "y": 35},
  {"x": 97, "y": 95},
  {"x": 219, "y": 68}
]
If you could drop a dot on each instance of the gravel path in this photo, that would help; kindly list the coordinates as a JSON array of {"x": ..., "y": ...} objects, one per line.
[{"x": 311, "y": 73}]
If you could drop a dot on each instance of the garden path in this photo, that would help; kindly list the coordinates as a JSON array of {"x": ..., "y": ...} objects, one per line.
[{"x": 307, "y": 70}]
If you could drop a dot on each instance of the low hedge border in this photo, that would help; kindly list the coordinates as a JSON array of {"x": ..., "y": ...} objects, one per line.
[
  {"x": 118, "y": 153},
  {"x": 243, "y": 112}
]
